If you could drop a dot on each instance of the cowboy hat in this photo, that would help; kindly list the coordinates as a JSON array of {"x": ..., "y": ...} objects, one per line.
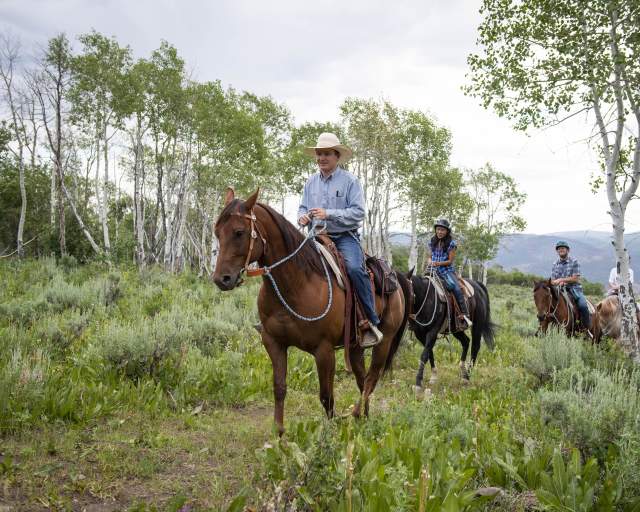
[{"x": 330, "y": 141}]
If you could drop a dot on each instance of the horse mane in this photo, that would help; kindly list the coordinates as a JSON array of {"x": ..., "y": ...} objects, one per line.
[
  {"x": 308, "y": 258},
  {"x": 537, "y": 285}
]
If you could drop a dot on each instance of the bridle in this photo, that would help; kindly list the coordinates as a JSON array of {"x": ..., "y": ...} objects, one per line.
[
  {"x": 551, "y": 314},
  {"x": 266, "y": 270},
  {"x": 256, "y": 231}
]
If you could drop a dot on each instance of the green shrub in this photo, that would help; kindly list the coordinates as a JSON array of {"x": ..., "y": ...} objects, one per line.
[
  {"x": 548, "y": 354},
  {"x": 23, "y": 312}
]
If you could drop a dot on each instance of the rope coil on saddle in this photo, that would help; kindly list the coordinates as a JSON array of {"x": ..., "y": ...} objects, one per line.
[{"x": 431, "y": 275}]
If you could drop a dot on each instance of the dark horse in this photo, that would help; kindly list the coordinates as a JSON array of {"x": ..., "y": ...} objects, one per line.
[
  {"x": 314, "y": 319},
  {"x": 432, "y": 314}
]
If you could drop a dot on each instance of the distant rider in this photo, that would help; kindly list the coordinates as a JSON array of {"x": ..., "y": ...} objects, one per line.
[
  {"x": 443, "y": 253},
  {"x": 566, "y": 272}
]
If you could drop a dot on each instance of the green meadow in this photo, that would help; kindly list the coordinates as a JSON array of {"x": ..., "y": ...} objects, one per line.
[{"x": 144, "y": 391}]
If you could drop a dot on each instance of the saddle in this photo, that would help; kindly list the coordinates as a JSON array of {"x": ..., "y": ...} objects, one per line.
[
  {"x": 455, "y": 321},
  {"x": 573, "y": 305},
  {"x": 383, "y": 280}
]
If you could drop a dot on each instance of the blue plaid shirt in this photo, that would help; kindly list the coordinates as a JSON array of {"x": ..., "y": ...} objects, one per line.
[
  {"x": 439, "y": 254},
  {"x": 567, "y": 268}
]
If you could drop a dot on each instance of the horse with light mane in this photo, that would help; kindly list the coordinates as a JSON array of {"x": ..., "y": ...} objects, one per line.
[{"x": 300, "y": 303}]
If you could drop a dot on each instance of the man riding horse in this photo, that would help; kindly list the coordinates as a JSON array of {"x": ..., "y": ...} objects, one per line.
[
  {"x": 335, "y": 196},
  {"x": 566, "y": 272}
]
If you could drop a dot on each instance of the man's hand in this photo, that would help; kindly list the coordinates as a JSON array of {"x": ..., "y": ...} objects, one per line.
[
  {"x": 557, "y": 282},
  {"x": 318, "y": 213},
  {"x": 304, "y": 220}
]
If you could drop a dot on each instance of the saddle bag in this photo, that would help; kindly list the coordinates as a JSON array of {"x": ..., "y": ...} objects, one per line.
[{"x": 384, "y": 278}]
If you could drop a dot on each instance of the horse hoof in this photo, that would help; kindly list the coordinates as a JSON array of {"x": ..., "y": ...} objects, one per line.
[
  {"x": 428, "y": 394},
  {"x": 417, "y": 390},
  {"x": 433, "y": 379}
]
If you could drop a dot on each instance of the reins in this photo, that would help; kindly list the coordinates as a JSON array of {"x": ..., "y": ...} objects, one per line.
[
  {"x": 552, "y": 314},
  {"x": 267, "y": 269},
  {"x": 431, "y": 276}
]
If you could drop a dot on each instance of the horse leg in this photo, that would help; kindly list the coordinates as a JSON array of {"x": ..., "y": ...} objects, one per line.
[
  {"x": 278, "y": 355},
  {"x": 476, "y": 337},
  {"x": 326, "y": 365},
  {"x": 356, "y": 358},
  {"x": 378, "y": 359},
  {"x": 464, "y": 340},
  {"x": 427, "y": 353}
]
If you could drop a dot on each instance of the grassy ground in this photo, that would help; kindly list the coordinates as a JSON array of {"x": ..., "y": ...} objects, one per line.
[{"x": 128, "y": 391}]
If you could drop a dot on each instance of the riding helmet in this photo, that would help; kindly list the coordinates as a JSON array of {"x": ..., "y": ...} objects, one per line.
[
  {"x": 442, "y": 223},
  {"x": 562, "y": 243}
]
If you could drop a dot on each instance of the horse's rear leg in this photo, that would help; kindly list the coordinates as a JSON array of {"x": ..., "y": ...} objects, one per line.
[
  {"x": 326, "y": 365},
  {"x": 464, "y": 340},
  {"x": 427, "y": 354},
  {"x": 356, "y": 358},
  {"x": 278, "y": 355},
  {"x": 378, "y": 359}
]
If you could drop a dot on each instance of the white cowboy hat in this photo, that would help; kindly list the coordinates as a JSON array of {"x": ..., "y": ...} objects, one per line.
[{"x": 330, "y": 141}]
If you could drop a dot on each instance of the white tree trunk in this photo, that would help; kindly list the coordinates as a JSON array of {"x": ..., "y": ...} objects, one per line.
[
  {"x": 138, "y": 197},
  {"x": 105, "y": 197},
  {"x": 413, "y": 246},
  {"x": 484, "y": 272}
]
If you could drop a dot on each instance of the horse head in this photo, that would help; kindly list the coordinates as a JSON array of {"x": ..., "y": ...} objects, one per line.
[
  {"x": 544, "y": 293},
  {"x": 237, "y": 235}
]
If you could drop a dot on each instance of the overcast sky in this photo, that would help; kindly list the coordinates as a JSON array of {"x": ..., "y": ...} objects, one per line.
[{"x": 312, "y": 55}]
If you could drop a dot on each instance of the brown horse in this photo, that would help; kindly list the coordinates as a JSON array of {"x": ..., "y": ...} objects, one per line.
[
  {"x": 553, "y": 308},
  {"x": 313, "y": 317}
]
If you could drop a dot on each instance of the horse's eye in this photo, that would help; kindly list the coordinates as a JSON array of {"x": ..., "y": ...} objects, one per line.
[{"x": 238, "y": 232}]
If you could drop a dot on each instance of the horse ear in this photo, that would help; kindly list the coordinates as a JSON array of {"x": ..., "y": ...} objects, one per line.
[
  {"x": 229, "y": 195},
  {"x": 251, "y": 200},
  {"x": 410, "y": 273}
]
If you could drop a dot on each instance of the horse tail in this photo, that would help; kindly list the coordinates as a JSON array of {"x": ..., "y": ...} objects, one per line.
[
  {"x": 405, "y": 284},
  {"x": 487, "y": 327}
]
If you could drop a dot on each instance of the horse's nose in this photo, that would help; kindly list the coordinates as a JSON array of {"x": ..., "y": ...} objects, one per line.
[
  {"x": 224, "y": 282},
  {"x": 540, "y": 318}
]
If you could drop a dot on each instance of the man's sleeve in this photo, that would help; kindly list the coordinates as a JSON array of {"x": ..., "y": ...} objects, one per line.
[
  {"x": 351, "y": 216},
  {"x": 576, "y": 268},
  {"x": 304, "y": 203}
]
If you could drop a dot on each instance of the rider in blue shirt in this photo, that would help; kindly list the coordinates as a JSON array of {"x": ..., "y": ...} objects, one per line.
[
  {"x": 443, "y": 253},
  {"x": 335, "y": 196}
]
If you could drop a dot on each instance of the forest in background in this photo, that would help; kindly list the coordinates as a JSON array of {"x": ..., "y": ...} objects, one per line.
[{"x": 106, "y": 156}]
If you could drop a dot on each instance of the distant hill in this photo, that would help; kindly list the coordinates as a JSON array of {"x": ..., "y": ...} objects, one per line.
[{"x": 535, "y": 253}]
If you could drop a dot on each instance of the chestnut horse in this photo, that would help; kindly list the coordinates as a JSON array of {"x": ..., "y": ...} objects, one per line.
[
  {"x": 300, "y": 304},
  {"x": 553, "y": 309},
  {"x": 609, "y": 319}
]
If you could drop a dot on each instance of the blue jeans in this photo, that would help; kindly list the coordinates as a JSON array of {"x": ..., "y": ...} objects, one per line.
[
  {"x": 581, "y": 301},
  {"x": 349, "y": 247},
  {"x": 451, "y": 282}
]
